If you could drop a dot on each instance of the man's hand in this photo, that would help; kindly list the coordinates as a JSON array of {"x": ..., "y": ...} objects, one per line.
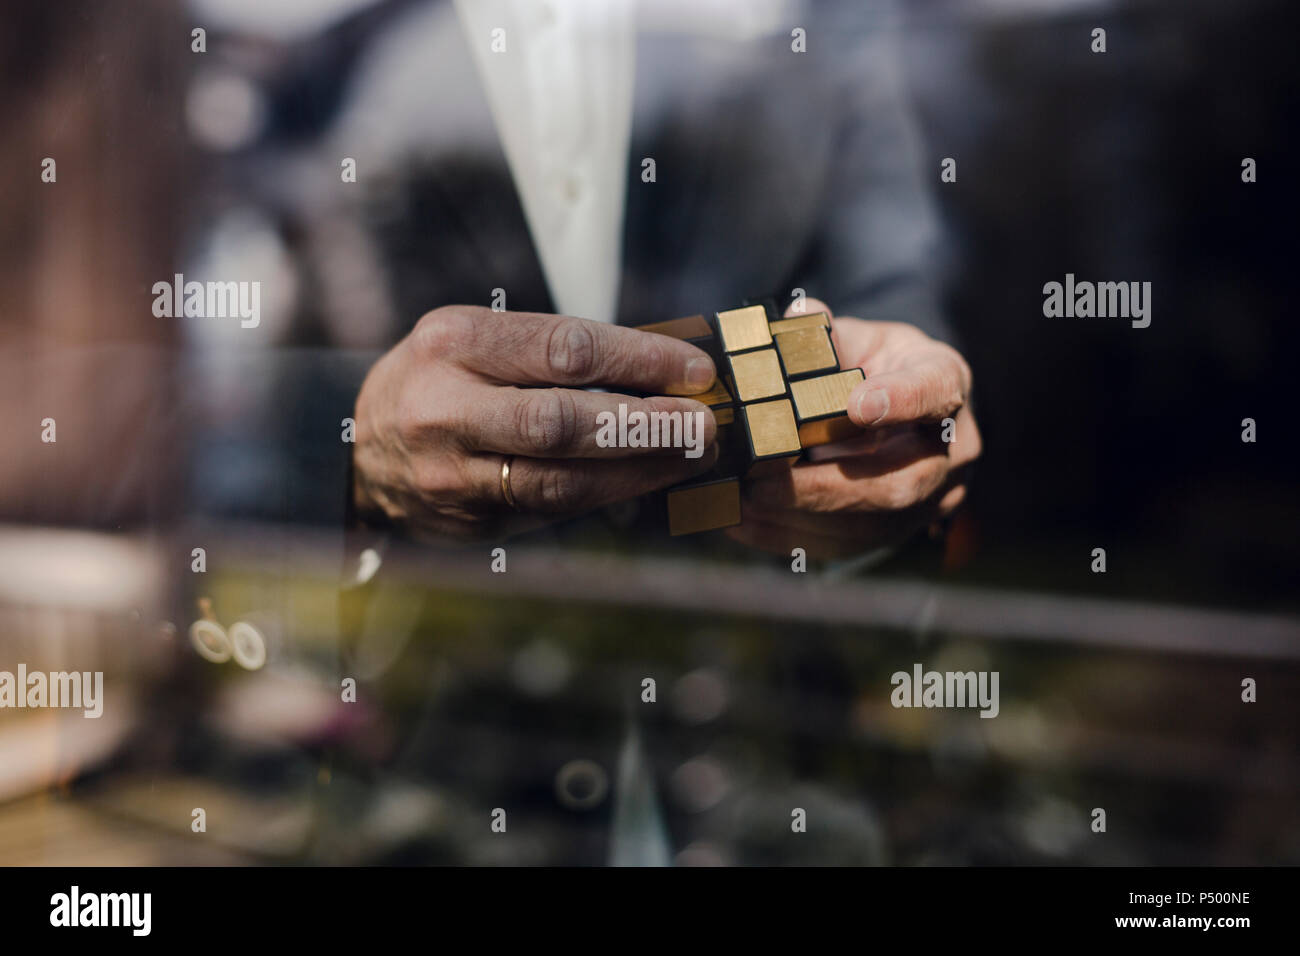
[
  {"x": 438, "y": 415},
  {"x": 877, "y": 490}
]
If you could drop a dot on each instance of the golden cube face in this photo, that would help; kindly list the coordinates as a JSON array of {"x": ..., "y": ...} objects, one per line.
[
  {"x": 690, "y": 327},
  {"x": 704, "y": 507},
  {"x": 724, "y": 415},
  {"x": 824, "y": 395},
  {"x": 771, "y": 429},
  {"x": 715, "y": 397},
  {"x": 814, "y": 320},
  {"x": 744, "y": 329},
  {"x": 806, "y": 351},
  {"x": 824, "y": 431},
  {"x": 757, "y": 375}
]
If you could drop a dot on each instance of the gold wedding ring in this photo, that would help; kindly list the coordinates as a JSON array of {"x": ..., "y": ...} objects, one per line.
[{"x": 505, "y": 483}]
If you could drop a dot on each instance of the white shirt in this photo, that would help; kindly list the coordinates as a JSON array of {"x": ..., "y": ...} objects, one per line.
[
  {"x": 561, "y": 94},
  {"x": 559, "y": 79}
]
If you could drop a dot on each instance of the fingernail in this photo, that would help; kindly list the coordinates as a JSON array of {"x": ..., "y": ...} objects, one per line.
[
  {"x": 873, "y": 405},
  {"x": 699, "y": 373}
]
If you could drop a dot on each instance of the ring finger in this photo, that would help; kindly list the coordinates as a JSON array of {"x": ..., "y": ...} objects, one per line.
[{"x": 570, "y": 486}]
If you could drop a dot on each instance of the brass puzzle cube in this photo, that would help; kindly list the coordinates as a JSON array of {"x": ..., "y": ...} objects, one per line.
[
  {"x": 821, "y": 406},
  {"x": 779, "y": 390},
  {"x": 757, "y": 375}
]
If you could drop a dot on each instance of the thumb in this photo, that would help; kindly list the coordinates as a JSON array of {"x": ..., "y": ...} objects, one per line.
[{"x": 928, "y": 391}]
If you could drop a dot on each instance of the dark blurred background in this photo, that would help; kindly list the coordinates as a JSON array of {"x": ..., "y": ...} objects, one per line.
[{"x": 1126, "y": 164}]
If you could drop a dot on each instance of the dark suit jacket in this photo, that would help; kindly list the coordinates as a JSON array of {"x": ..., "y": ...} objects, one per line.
[{"x": 775, "y": 171}]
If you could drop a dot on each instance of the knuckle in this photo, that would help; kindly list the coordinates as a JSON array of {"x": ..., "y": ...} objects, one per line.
[
  {"x": 964, "y": 374},
  {"x": 557, "y": 490},
  {"x": 931, "y": 479},
  {"x": 441, "y": 331},
  {"x": 961, "y": 377},
  {"x": 656, "y": 355},
  {"x": 420, "y": 419},
  {"x": 547, "y": 422},
  {"x": 905, "y": 332},
  {"x": 571, "y": 350},
  {"x": 932, "y": 396},
  {"x": 908, "y": 399},
  {"x": 959, "y": 360},
  {"x": 969, "y": 449},
  {"x": 407, "y": 424},
  {"x": 409, "y": 418},
  {"x": 944, "y": 393},
  {"x": 952, "y": 500},
  {"x": 816, "y": 494},
  {"x": 898, "y": 494},
  {"x": 433, "y": 481}
]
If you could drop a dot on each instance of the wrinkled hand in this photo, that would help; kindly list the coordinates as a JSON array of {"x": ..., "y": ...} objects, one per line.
[
  {"x": 438, "y": 414},
  {"x": 876, "y": 490}
]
